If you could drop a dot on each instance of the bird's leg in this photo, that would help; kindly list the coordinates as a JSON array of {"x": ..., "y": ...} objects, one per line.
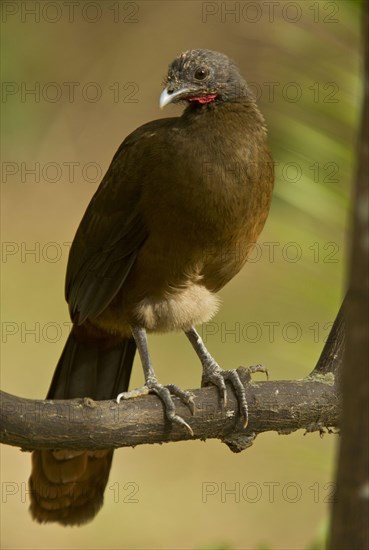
[
  {"x": 212, "y": 374},
  {"x": 152, "y": 385}
]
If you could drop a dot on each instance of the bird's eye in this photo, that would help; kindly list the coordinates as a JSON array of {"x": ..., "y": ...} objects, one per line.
[{"x": 201, "y": 73}]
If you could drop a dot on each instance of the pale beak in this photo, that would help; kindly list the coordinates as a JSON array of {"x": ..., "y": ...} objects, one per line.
[{"x": 168, "y": 96}]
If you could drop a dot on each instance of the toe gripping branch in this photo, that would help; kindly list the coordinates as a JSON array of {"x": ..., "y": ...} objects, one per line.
[
  {"x": 153, "y": 386},
  {"x": 212, "y": 375}
]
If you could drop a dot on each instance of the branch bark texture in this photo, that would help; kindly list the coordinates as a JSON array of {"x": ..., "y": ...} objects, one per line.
[{"x": 282, "y": 406}]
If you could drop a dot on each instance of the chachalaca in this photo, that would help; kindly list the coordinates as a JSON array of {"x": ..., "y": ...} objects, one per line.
[{"x": 173, "y": 220}]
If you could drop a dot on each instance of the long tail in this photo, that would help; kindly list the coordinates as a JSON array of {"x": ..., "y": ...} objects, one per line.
[{"x": 68, "y": 486}]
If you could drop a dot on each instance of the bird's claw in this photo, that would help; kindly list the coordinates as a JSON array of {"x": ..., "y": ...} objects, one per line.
[
  {"x": 185, "y": 396},
  {"x": 214, "y": 375},
  {"x": 165, "y": 393}
]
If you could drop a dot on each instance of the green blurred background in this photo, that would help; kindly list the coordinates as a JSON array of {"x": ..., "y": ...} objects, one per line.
[{"x": 96, "y": 69}]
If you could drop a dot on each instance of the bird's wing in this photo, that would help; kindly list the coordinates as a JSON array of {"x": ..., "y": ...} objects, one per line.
[{"x": 109, "y": 236}]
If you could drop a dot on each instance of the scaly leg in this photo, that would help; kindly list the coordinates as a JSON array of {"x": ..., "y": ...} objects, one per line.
[
  {"x": 152, "y": 385},
  {"x": 213, "y": 374}
]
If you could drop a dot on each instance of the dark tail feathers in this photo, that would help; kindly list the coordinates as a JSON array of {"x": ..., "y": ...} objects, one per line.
[{"x": 68, "y": 486}]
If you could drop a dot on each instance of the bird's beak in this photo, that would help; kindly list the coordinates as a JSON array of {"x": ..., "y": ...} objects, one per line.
[{"x": 167, "y": 96}]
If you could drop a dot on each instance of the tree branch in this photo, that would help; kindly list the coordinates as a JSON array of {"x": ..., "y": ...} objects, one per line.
[
  {"x": 283, "y": 406},
  {"x": 349, "y": 523}
]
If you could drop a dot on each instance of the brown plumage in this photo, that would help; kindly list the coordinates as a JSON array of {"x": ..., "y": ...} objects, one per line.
[{"x": 172, "y": 222}]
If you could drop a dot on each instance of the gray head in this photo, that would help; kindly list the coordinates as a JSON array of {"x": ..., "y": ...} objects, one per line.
[{"x": 203, "y": 76}]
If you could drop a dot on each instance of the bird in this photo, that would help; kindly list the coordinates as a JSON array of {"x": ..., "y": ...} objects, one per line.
[{"x": 173, "y": 220}]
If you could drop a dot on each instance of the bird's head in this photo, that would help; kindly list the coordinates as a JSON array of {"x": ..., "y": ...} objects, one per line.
[{"x": 203, "y": 76}]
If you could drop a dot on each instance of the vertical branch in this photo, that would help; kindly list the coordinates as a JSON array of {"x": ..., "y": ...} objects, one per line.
[{"x": 350, "y": 526}]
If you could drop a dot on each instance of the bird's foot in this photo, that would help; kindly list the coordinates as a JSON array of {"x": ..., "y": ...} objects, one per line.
[
  {"x": 165, "y": 393},
  {"x": 214, "y": 375}
]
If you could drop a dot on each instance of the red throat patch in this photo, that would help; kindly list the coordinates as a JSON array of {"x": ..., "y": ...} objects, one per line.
[{"x": 203, "y": 99}]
